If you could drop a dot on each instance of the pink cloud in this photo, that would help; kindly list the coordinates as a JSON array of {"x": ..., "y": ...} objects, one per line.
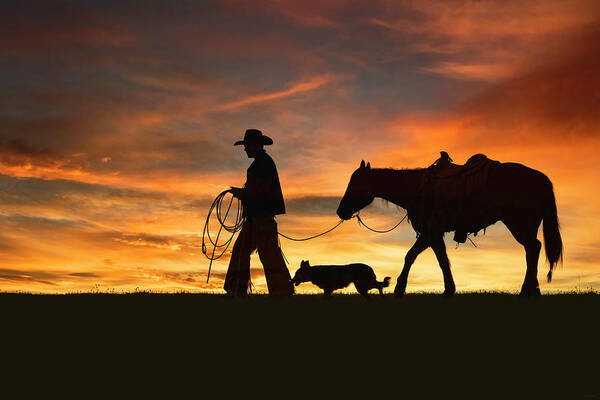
[{"x": 304, "y": 86}]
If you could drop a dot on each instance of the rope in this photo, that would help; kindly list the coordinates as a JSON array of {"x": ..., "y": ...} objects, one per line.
[
  {"x": 360, "y": 221},
  {"x": 216, "y": 207},
  {"x": 312, "y": 237}
]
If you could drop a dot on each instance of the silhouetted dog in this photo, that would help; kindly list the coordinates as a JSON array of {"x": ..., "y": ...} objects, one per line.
[{"x": 332, "y": 277}]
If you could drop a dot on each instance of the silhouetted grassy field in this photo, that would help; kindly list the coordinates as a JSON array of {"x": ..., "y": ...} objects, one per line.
[{"x": 475, "y": 345}]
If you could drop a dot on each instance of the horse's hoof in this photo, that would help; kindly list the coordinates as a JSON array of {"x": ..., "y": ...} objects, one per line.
[
  {"x": 398, "y": 294},
  {"x": 448, "y": 293}
]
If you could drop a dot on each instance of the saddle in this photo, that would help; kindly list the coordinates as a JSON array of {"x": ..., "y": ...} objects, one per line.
[
  {"x": 444, "y": 167},
  {"x": 448, "y": 190}
]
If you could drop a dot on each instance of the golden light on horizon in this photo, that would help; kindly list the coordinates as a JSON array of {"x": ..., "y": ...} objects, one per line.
[{"x": 117, "y": 132}]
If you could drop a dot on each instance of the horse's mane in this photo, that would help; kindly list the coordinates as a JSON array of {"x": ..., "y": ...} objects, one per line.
[
  {"x": 392, "y": 171},
  {"x": 398, "y": 169}
]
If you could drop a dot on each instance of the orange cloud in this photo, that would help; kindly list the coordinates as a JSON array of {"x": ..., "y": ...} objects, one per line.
[
  {"x": 312, "y": 84},
  {"x": 476, "y": 72},
  {"x": 125, "y": 129}
]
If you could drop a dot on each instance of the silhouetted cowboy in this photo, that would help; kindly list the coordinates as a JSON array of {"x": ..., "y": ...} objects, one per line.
[{"x": 262, "y": 200}]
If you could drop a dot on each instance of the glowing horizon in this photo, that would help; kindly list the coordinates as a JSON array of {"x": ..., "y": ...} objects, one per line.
[{"x": 118, "y": 130}]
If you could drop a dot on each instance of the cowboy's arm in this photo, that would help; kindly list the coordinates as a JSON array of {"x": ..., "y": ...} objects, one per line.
[
  {"x": 258, "y": 183},
  {"x": 255, "y": 188}
]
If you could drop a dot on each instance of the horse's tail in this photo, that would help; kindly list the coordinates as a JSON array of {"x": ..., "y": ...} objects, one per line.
[{"x": 552, "y": 240}]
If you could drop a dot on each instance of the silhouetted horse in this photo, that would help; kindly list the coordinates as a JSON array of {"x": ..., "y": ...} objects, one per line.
[{"x": 518, "y": 196}]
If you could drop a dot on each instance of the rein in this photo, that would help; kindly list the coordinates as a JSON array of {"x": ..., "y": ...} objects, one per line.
[
  {"x": 360, "y": 222},
  {"x": 312, "y": 237}
]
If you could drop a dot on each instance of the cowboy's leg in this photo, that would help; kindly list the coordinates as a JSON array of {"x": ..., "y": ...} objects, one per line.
[
  {"x": 238, "y": 273},
  {"x": 276, "y": 272}
]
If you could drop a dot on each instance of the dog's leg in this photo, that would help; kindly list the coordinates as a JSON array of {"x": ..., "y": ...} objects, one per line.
[
  {"x": 375, "y": 285},
  {"x": 363, "y": 290},
  {"x": 380, "y": 285},
  {"x": 365, "y": 293}
]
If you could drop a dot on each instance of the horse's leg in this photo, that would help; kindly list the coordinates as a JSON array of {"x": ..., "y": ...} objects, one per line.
[
  {"x": 525, "y": 232},
  {"x": 439, "y": 248},
  {"x": 416, "y": 249}
]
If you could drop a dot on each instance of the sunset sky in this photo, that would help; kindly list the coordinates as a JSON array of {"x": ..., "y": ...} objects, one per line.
[{"x": 118, "y": 118}]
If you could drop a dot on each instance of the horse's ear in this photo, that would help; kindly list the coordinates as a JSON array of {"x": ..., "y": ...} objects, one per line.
[
  {"x": 362, "y": 164},
  {"x": 368, "y": 165}
]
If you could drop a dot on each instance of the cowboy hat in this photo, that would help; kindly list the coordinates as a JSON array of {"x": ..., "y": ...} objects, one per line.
[{"x": 254, "y": 136}]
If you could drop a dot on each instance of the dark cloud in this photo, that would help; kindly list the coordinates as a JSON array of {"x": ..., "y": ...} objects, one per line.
[
  {"x": 182, "y": 156},
  {"x": 136, "y": 81},
  {"x": 139, "y": 276},
  {"x": 191, "y": 277},
  {"x": 556, "y": 98},
  {"x": 17, "y": 190},
  {"x": 29, "y": 277},
  {"x": 313, "y": 205},
  {"x": 15, "y": 152},
  {"x": 84, "y": 274},
  {"x": 34, "y": 239},
  {"x": 42, "y": 276},
  {"x": 196, "y": 279},
  {"x": 24, "y": 222},
  {"x": 108, "y": 206},
  {"x": 201, "y": 204},
  {"x": 149, "y": 240}
]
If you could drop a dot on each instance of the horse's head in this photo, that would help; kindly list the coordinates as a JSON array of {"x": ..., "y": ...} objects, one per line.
[{"x": 359, "y": 193}]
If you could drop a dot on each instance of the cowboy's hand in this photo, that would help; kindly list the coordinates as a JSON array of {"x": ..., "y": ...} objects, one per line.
[{"x": 236, "y": 192}]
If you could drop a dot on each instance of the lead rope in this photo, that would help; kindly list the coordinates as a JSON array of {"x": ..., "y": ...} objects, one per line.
[
  {"x": 304, "y": 239},
  {"x": 360, "y": 222},
  {"x": 312, "y": 237}
]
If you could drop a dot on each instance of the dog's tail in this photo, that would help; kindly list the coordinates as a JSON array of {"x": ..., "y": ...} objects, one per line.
[{"x": 385, "y": 283}]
